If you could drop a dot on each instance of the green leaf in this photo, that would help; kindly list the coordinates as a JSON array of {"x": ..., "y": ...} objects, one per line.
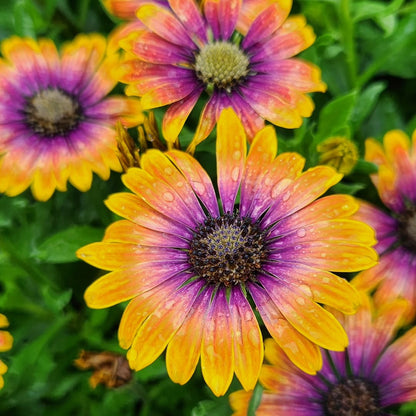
[
  {"x": 366, "y": 102},
  {"x": 61, "y": 247},
  {"x": 335, "y": 116},
  {"x": 348, "y": 188},
  {"x": 364, "y": 167}
]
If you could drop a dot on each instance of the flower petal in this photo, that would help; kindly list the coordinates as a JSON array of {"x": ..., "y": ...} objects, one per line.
[
  {"x": 197, "y": 178},
  {"x": 217, "y": 353},
  {"x": 159, "y": 195},
  {"x": 310, "y": 319},
  {"x": 184, "y": 349},
  {"x": 177, "y": 114},
  {"x": 124, "y": 231},
  {"x": 248, "y": 341},
  {"x": 300, "y": 193},
  {"x": 158, "y": 329},
  {"x": 323, "y": 209},
  {"x": 162, "y": 22},
  {"x": 124, "y": 284},
  {"x": 135, "y": 209},
  {"x": 222, "y": 16},
  {"x": 159, "y": 165},
  {"x": 302, "y": 352},
  {"x": 231, "y": 156},
  {"x": 262, "y": 152},
  {"x": 265, "y": 24}
]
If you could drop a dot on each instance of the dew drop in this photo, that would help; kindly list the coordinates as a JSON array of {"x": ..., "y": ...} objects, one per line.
[
  {"x": 235, "y": 173},
  {"x": 286, "y": 196},
  {"x": 300, "y": 300},
  {"x": 199, "y": 187},
  {"x": 301, "y": 232},
  {"x": 168, "y": 171},
  {"x": 168, "y": 197},
  {"x": 237, "y": 155}
]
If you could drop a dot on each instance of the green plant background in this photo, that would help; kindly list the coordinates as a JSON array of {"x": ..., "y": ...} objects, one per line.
[{"x": 367, "y": 55}]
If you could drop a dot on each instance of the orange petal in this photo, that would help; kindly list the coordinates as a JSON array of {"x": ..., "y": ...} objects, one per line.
[
  {"x": 231, "y": 156},
  {"x": 183, "y": 351},
  {"x": 158, "y": 329},
  {"x": 217, "y": 353},
  {"x": 302, "y": 352},
  {"x": 248, "y": 340}
]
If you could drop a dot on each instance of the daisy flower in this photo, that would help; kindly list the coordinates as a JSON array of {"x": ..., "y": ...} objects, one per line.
[
  {"x": 375, "y": 372},
  {"x": 6, "y": 342},
  {"x": 191, "y": 267},
  {"x": 56, "y": 121},
  {"x": 190, "y": 48},
  {"x": 395, "y": 225}
]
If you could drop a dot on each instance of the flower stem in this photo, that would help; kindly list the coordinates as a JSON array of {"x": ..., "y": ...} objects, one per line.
[{"x": 347, "y": 28}]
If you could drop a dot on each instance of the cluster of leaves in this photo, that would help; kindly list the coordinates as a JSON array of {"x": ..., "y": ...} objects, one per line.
[{"x": 366, "y": 52}]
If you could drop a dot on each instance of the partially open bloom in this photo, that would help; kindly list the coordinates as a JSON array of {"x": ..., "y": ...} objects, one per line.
[
  {"x": 372, "y": 374},
  {"x": 56, "y": 121},
  {"x": 338, "y": 152},
  {"x": 191, "y": 268},
  {"x": 395, "y": 226},
  {"x": 240, "y": 53},
  {"x": 6, "y": 342}
]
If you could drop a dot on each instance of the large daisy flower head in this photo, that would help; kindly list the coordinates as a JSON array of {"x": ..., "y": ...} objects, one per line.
[
  {"x": 395, "y": 226},
  {"x": 240, "y": 53},
  {"x": 375, "y": 372},
  {"x": 56, "y": 120},
  {"x": 193, "y": 269},
  {"x": 6, "y": 343}
]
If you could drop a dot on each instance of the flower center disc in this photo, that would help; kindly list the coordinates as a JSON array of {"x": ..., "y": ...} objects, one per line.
[
  {"x": 353, "y": 396},
  {"x": 407, "y": 230},
  {"x": 222, "y": 65},
  {"x": 227, "y": 250},
  {"x": 52, "y": 112}
]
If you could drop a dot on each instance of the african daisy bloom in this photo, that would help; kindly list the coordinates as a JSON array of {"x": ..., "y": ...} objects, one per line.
[
  {"x": 190, "y": 48},
  {"x": 6, "y": 342},
  {"x": 374, "y": 373},
  {"x": 191, "y": 268},
  {"x": 56, "y": 122},
  {"x": 395, "y": 226}
]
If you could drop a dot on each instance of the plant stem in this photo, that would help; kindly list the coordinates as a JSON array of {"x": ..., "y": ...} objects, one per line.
[{"x": 347, "y": 27}]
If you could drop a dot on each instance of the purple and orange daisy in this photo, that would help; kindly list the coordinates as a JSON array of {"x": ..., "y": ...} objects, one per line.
[
  {"x": 6, "y": 343},
  {"x": 374, "y": 373},
  {"x": 395, "y": 226},
  {"x": 193, "y": 269},
  {"x": 240, "y": 53},
  {"x": 57, "y": 123}
]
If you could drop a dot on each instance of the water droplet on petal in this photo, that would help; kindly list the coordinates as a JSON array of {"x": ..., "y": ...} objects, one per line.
[
  {"x": 301, "y": 232},
  {"x": 168, "y": 171},
  {"x": 235, "y": 174},
  {"x": 300, "y": 300},
  {"x": 237, "y": 155},
  {"x": 168, "y": 196},
  {"x": 286, "y": 196}
]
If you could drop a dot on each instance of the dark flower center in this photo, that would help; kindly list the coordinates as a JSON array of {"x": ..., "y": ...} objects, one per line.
[
  {"x": 353, "y": 397},
  {"x": 227, "y": 250},
  {"x": 52, "y": 112},
  {"x": 221, "y": 65},
  {"x": 407, "y": 229}
]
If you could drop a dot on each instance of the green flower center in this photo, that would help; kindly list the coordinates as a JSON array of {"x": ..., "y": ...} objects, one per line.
[
  {"x": 52, "y": 112},
  {"x": 221, "y": 65},
  {"x": 227, "y": 250},
  {"x": 353, "y": 396},
  {"x": 407, "y": 230}
]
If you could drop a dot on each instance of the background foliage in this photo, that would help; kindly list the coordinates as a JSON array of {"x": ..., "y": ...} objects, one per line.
[{"x": 367, "y": 55}]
